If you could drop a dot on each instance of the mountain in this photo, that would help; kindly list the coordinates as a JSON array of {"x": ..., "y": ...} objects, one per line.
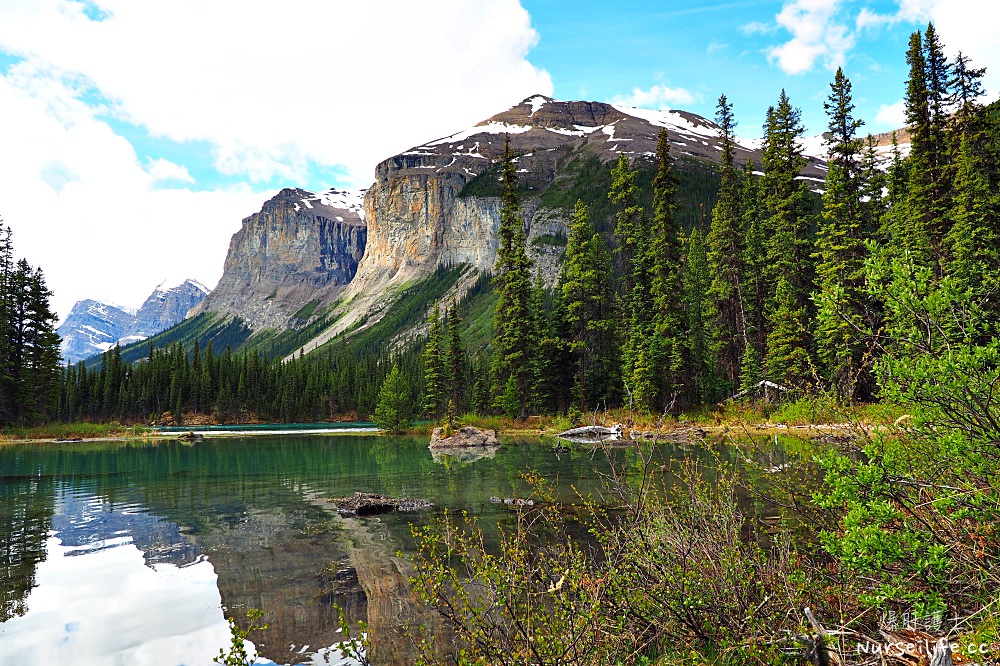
[
  {"x": 300, "y": 249},
  {"x": 309, "y": 267},
  {"x": 93, "y": 327},
  {"x": 437, "y": 204},
  {"x": 165, "y": 307}
]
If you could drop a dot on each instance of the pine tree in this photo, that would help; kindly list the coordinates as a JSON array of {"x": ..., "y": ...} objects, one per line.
[
  {"x": 787, "y": 245},
  {"x": 974, "y": 239},
  {"x": 966, "y": 88},
  {"x": 512, "y": 330},
  {"x": 928, "y": 186},
  {"x": 393, "y": 410},
  {"x": 874, "y": 184},
  {"x": 29, "y": 346},
  {"x": 725, "y": 242},
  {"x": 788, "y": 248},
  {"x": 754, "y": 263},
  {"x": 787, "y": 361},
  {"x": 666, "y": 346},
  {"x": 542, "y": 388},
  {"x": 457, "y": 360},
  {"x": 635, "y": 257},
  {"x": 586, "y": 299},
  {"x": 435, "y": 377},
  {"x": 701, "y": 377},
  {"x": 840, "y": 253}
]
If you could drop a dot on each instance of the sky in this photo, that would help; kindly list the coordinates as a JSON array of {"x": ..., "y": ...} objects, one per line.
[{"x": 137, "y": 134}]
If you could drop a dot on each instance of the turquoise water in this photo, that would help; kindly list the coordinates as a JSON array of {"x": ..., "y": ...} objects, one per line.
[{"x": 137, "y": 552}]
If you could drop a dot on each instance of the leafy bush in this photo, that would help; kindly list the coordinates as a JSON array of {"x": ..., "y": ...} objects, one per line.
[{"x": 676, "y": 579}]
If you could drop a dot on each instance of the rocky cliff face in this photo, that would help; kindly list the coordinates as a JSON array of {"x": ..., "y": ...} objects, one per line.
[{"x": 300, "y": 248}]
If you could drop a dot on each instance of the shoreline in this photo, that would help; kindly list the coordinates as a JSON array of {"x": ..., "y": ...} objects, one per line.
[{"x": 669, "y": 433}]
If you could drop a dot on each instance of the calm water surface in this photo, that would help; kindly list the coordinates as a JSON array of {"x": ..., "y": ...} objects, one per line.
[{"x": 136, "y": 553}]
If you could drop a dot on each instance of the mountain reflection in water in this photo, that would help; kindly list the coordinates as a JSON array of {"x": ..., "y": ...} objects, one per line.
[{"x": 138, "y": 552}]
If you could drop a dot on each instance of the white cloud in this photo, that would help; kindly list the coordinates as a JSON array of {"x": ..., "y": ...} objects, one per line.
[
  {"x": 165, "y": 170},
  {"x": 336, "y": 83},
  {"x": 716, "y": 47},
  {"x": 83, "y": 207},
  {"x": 976, "y": 37},
  {"x": 758, "y": 28},
  {"x": 657, "y": 97},
  {"x": 909, "y": 11},
  {"x": 969, "y": 26},
  {"x": 272, "y": 90},
  {"x": 816, "y": 34},
  {"x": 891, "y": 116}
]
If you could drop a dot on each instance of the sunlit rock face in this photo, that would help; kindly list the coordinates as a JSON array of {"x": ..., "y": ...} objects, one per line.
[{"x": 300, "y": 249}]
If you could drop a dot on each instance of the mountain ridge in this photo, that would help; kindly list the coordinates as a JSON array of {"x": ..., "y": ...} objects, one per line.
[{"x": 310, "y": 267}]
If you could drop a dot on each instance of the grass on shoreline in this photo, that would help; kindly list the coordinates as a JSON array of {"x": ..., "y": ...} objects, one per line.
[
  {"x": 810, "y": 411},
  {"x": 71, "y": 431}
]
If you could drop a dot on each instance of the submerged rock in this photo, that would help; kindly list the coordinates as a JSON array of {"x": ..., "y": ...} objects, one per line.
[
  {"x": 369, "y": 504},
  {"x": 466, "y": 437}
]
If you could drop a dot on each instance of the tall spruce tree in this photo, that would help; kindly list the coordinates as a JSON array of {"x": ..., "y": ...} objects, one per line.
[
  {"x": 665, "y": 261},
  {"x": 966, "y": 87},
  {"x": 542, "y": 388},
  {"x": 457, "y": 361},
  {"x": 435, "y": 375},
  {"x": 29, "y": 346},
  {"x": 726, "y": 265},
  {"x": 513, "y": 341},
  {"x": 586, "y": 297},
  {"x": 755, "y": 285},
  {"x": 840, "y": 253},
  {"x": 928, "y": 185},
  {"x": 788, "y": 361},
  {"x": 974, "y": 239},
  {"x": 632, "y": 237},
  {"x": 702, "y": 383},
  {"x": 788, "y": 248}
]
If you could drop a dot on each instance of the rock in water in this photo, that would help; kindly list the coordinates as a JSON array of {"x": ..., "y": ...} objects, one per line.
[
  {"x": 463, "y": 438},
  {"x": 370, "y": 504}
]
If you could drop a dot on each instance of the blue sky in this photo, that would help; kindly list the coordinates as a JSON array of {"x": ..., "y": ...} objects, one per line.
[
  {"x": 146, "y": 130},
  {"x": 600, "y": 50}
]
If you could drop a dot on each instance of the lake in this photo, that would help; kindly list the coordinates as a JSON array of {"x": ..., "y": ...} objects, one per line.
[{"x": 133, "y": 553}]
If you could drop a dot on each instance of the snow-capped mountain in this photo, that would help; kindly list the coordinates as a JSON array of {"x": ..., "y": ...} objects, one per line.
[
  {"x": 165, "y": 307},
  {"x": 93, "y": 327}
]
